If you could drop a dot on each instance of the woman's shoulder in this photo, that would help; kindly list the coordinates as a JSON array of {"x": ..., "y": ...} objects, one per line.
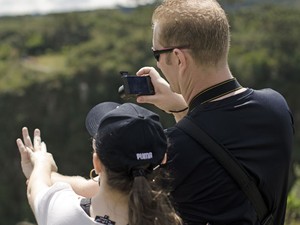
[{"x": 60, "y": 205}]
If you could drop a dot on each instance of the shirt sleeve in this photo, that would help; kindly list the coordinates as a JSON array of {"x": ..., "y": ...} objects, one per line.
[{"x": 59, "y": 205}]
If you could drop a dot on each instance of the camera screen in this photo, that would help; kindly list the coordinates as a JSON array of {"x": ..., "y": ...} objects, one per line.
[{"x": 139, "y": 85}]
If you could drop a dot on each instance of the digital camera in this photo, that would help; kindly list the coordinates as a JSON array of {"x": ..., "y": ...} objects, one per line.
[{"x": 135, "y": 85}]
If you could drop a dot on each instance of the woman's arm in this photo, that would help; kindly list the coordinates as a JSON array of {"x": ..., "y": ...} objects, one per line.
[
  {"x": 80, "y": 185},
  {"x": 42, "y": 163}
]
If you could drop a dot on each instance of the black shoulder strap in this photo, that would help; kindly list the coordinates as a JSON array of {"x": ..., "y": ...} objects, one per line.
[
  {"x": 85, "y": 204},
  {"x": 233, "y": 167}
]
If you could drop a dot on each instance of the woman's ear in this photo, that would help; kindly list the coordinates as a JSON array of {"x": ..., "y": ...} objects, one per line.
[
  {"x": 164, "y": 161},
  {"x": 97, "y": 163}
]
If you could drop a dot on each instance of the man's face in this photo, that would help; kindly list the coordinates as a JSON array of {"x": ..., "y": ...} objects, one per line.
[{"x": 165, "y": 63}]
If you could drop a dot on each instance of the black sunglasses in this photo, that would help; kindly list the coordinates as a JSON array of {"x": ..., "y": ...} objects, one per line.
[{"x": 156, "y": 53}]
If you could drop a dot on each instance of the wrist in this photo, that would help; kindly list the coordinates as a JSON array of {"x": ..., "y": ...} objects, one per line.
[
  {"x": 179, "y": 111},
  {"x": 43, "y": 166}
]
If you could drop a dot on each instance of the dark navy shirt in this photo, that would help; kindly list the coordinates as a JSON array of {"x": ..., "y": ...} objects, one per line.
[{"x": 256, "y": 126}]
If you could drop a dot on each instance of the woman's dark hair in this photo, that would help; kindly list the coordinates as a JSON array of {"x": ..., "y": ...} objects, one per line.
[{"x": 149, "y": 203}]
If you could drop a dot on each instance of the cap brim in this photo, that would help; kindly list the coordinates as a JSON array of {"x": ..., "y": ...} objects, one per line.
[{"x": 96, "y": 114}]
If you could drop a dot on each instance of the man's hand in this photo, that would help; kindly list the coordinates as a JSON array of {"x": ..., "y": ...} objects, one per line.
[{"x": 164, "y": 97}]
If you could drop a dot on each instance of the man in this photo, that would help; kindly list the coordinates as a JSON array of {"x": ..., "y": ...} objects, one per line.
[{"x": 191, "y": 43}]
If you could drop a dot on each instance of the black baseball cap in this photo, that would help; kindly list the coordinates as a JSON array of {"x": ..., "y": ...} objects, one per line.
[{"x": 127, "y": 136}]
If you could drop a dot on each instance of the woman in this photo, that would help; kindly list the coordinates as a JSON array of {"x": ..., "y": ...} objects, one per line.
[{"x": 129, "y": 145}]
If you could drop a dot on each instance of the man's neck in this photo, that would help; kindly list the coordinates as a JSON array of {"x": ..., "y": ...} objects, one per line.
[{"x": 203, "y": 78}]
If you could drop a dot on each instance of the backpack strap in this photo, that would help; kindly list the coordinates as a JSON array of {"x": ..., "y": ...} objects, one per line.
[
  {"x": 85, "y": 204},
  {"x": 231, "y": 165}
]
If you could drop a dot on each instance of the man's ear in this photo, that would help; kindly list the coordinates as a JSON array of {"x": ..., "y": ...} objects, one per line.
[
  {"x": 182, "y": 60},
  {"x": 97, "y": 163},
  {"x": 181, "y": 57}
]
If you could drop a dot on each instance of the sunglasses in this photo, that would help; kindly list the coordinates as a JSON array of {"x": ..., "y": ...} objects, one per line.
[{"x": 157, "y": 53}]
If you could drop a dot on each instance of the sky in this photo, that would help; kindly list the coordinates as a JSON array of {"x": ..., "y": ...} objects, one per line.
[{"x": 24, "y": 7}]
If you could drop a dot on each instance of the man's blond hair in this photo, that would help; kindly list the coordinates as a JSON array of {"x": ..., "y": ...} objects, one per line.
[{"x": 201, "y": 25}]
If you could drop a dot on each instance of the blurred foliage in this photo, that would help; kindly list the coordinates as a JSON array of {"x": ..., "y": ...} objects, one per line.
[
  {"x": 293, "y": 203},
  {"x": 54, "y": 68}
]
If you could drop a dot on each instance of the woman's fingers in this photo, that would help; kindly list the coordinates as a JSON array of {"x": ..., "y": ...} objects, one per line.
[
  {"x": 37, "y": 143},
  {"x": 26, "y": 138},
  {"x": 22, "y": 149},
  {"x": 44, "y": 147}
]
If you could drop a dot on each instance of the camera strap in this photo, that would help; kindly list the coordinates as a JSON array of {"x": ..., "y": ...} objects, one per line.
[{"x": 214, "y": 92}]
